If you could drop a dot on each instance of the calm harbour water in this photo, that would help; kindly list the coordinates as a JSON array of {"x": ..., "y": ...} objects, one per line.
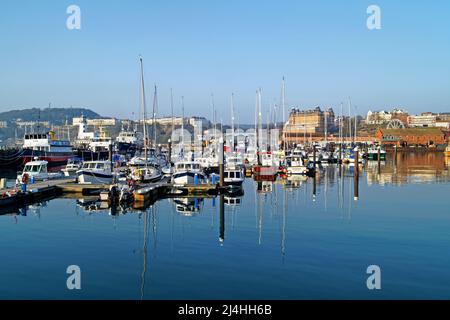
[{"x": 280, "y": 242}]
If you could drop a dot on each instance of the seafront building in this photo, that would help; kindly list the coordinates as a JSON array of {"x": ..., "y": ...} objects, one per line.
[
  {"x": 305, "y": 124},
  {"x": 411, "y": 137}
]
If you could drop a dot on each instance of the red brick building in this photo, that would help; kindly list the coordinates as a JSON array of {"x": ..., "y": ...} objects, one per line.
[{"x": 411, "y": 136}]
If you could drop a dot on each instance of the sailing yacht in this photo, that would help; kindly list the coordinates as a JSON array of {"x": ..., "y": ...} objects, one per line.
[{"x": 145, "y": 169}]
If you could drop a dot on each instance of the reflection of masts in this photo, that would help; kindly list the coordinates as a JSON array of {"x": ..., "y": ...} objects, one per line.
[
  {"x": 260, "y": 220},
  {"x": 222, "y": 219},
  {"x": 144, "y": 270},
  {"x": 283, "y": 229},
  {"x": 154, "y": 227}
]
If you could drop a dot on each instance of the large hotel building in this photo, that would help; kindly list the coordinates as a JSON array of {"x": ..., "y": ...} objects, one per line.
[{"x": 305, "y": 124}]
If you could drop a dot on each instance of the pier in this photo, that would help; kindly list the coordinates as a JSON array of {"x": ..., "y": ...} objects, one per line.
[{"x": 143, "y": 194}]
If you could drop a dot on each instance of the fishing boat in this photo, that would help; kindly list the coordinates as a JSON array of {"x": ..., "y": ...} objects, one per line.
[
  {"x": 71, "y": 168},
  {"x": 127, "y": 142},
  {"x": 267, "y": 166},
  {"x": 46, "y": 147},
  {"x": 233, "y": 176},
  {"x": 95, "y": 172},
  {"x": 37, "y": 170},
  {"x": 101, "y": 142},
  {"x": 188, "y": 172},
  {"x": 295, "y": 166},
  {"x": 372, "y": 153}
]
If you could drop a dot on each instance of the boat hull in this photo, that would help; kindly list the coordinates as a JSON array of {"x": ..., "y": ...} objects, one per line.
[
  {"x": 184, "y": 178},
  {"x": 91, "y": 177},
  {"x": 53, "y": 158}
]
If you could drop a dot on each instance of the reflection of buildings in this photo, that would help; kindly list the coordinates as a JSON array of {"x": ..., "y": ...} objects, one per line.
[{"x": 409, "y": 168}]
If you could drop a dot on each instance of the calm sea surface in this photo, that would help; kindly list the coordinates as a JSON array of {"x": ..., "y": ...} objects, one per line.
[{"x": 289, "y": 239}]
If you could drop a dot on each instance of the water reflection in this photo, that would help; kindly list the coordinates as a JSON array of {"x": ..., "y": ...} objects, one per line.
[
  {"x": 286, "y": 221},
  {"x": 405, "y": 168}
]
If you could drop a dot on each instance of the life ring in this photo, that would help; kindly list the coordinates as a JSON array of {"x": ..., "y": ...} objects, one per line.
[{"x": 25, "y": 178}]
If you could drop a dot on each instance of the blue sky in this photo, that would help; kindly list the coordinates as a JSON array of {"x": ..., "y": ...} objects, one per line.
[{"x": 323, "y": 48}]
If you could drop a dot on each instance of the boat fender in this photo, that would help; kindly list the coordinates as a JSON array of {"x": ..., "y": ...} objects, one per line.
[{"x": 25, "y": 178}]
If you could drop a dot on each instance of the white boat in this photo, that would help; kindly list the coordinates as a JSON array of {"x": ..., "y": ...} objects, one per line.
[
  {"x": 185, "y": 172},
  {"x": 37, "y": 170},
  {"x": 234, "y": 161},
  {"x": 233, "y": 176},
  {"x": 128, "y": 141},
  {"x": 71, "y": 168},
  {"x": 95, "y": 172},
  {"x": 295, "y": 166},
  {"x": 372, "y": 153}
]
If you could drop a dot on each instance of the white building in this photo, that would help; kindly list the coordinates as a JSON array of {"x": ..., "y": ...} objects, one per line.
[
  {"x": 378, "y": 117},
  {"x": 428, "y": 120},
  {"x": 166, "y": 121},
  {"x": 3, "y": 124},
  {"x": 102, "y": 122}
]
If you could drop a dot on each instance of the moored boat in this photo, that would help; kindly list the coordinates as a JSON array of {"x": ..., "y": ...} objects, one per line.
[
  {"x": 95, "y": 172},
  {"x": 46, "y": 147}
]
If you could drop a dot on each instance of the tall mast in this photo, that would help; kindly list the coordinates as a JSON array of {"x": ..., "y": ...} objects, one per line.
[
  {"x": 326, "y": 125},
  {"x": 349, "y": 120},
  {"x": 356, "y": 119},
  {"x": 155, "y": 108},
  {"x": 171, "y": 108},
  {"x": 182, "y": 125},
  {"x": 144, "y": 112},
  {"x": 259, "y": 116},
  {"x": 232, "y": 122},
  {"x": 304, "y": 127},
  {"x": 283, "y": 97},
  {"x": 341, "y": 122}
]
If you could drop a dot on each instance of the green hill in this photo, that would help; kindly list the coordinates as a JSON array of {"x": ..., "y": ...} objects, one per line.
[{"x": 56, "y": 116}]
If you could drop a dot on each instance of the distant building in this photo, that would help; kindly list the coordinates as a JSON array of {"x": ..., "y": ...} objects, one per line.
[
  {"x": 77, "y": 120},
  {"x": 102, "y": 122},
  {"x": 194, "y": 121},
  {"x": 378, "y": 117},
  {"x": 22, "y": 124},
  {"x": 166, "y": 121},
  {"x": 384, "y": 117},
  {"x": 411, "y": 136},
  {"x": 309, "y": 123},
  {"x": 3, "y": 124},
  {"x": 424, "y": 120}
]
